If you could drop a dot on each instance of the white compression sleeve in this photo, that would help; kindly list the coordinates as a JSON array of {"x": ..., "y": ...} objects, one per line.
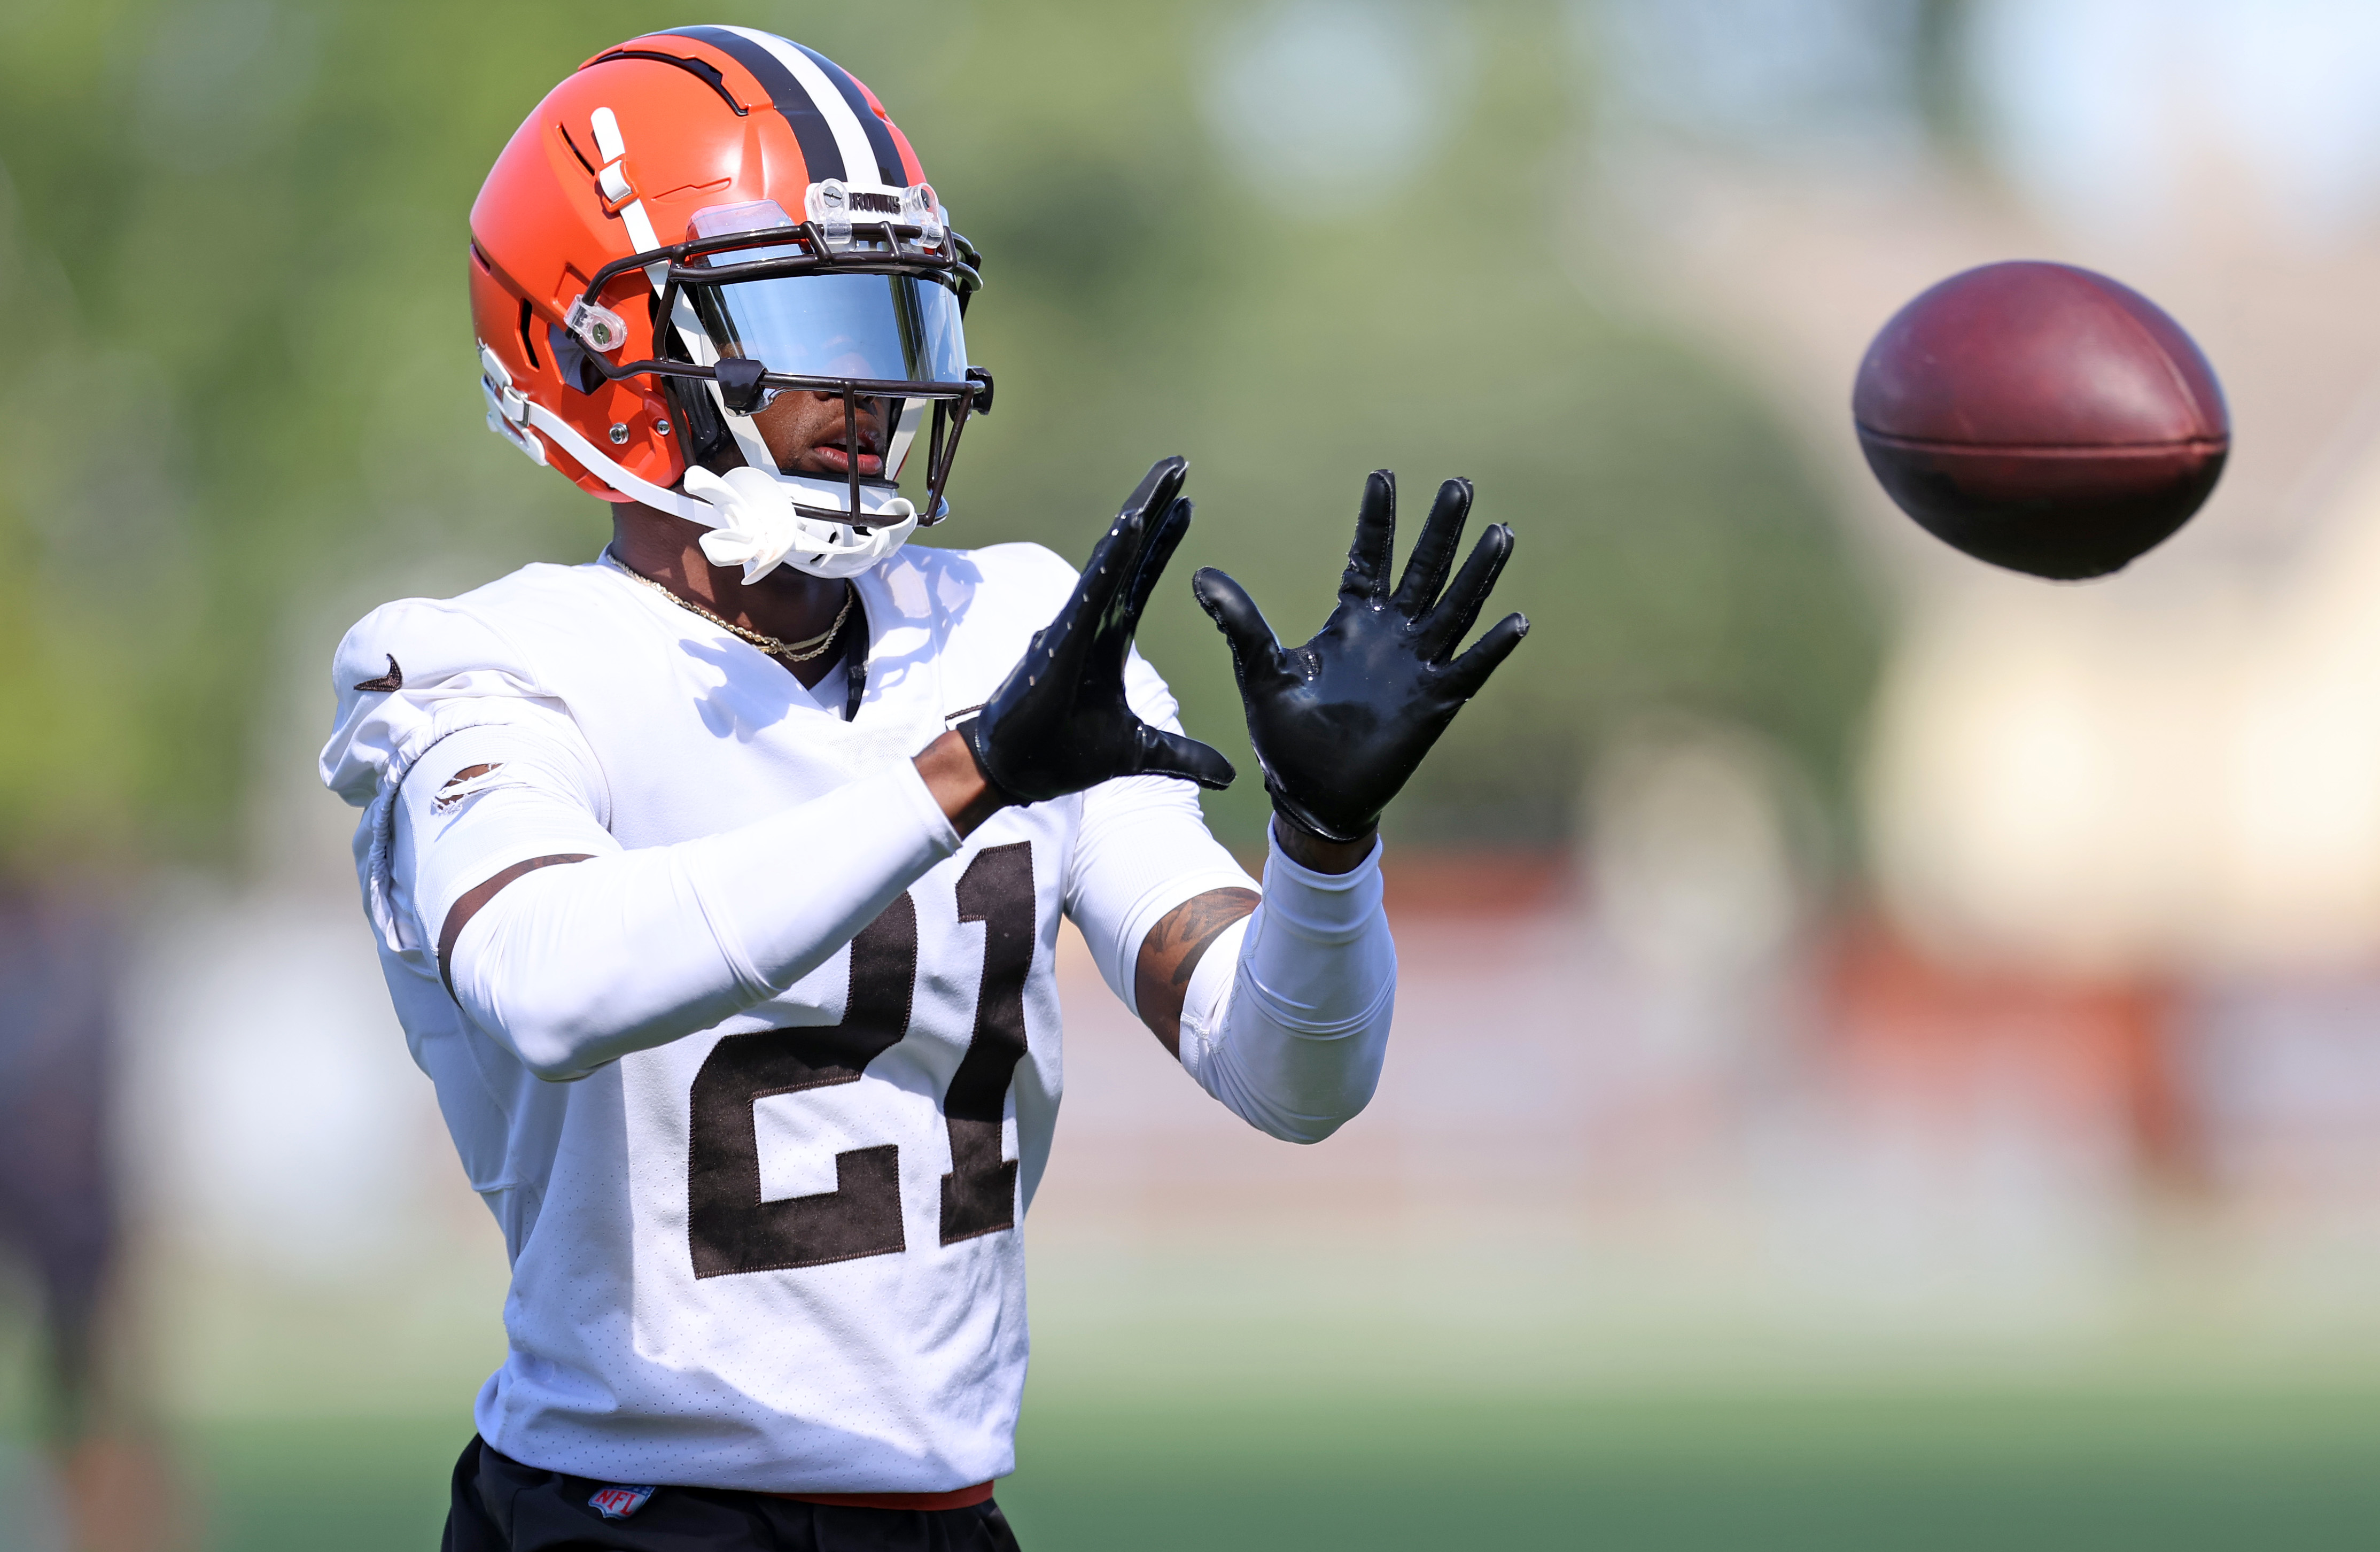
[
  {"x": 1142, "y": 850},
  {"x": 1286, "y": 1018},
  {"x": 574, "y": 967}
]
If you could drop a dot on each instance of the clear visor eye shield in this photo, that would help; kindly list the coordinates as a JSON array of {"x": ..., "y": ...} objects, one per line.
[{"x": 757, "y": 306}]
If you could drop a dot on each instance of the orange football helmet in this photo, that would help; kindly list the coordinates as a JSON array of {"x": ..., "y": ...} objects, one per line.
[{"x": 691, "y": 223}]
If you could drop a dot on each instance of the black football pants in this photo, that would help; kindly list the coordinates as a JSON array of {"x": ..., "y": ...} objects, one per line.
[{"x": 501, "y": 1504}]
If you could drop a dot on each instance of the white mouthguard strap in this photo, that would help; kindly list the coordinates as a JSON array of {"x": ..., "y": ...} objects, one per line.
[{"x": 752, "y": 511}]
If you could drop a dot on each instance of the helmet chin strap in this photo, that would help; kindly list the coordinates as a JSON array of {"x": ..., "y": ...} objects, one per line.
[
  {"x": 759, "y": 527},
  {"x": 754, "y": 512}
]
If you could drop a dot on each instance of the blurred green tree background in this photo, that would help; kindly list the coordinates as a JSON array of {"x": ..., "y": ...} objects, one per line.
[{"x": 243, "y": 407}]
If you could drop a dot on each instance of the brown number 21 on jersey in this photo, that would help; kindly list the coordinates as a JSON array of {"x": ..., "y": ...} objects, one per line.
[{"x": 730, "y": 1229}]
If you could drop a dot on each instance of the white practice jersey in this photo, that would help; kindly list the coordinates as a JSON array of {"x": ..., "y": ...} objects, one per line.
[{"x": 782, "y": 1253}]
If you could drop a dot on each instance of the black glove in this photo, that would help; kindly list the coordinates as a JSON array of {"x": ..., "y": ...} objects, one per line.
[
  {"x": 1340, "y": 723},
  {"x": 1058, "y": 723}
]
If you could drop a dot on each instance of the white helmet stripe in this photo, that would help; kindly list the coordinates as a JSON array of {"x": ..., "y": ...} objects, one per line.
[
  {"x": 850, "y": 135},
  {"x": 889, "y": 165}
]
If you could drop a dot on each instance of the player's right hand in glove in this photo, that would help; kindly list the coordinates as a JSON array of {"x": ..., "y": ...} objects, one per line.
[
  {"x": 1340, "y": 723},
  {"x": 1059, "y": 724}
]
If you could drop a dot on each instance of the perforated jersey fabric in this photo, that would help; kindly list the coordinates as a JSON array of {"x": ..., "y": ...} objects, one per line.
[{"x": 780, "y": 1252}]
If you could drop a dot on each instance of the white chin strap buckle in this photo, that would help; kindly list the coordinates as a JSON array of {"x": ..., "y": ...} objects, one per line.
[
  {"x": 755, "y": 524},
  {"x": 754, "y": 515}
]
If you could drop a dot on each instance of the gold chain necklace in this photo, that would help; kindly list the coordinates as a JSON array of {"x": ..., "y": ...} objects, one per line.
[{"x": 792, "y": 651}]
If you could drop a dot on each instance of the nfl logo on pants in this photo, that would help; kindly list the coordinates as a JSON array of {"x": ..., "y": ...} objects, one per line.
[{"x": 618, "y": 1503}]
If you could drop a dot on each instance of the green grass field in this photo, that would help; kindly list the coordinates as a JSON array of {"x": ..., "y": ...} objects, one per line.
[{"x": 2039, "y": 1470}]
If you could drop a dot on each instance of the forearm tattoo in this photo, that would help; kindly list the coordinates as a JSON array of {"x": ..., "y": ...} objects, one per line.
[{"x": 1171, "y": 954}]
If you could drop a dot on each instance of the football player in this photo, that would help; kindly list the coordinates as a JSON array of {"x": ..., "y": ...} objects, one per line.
[{"x": 717, "y": 880}]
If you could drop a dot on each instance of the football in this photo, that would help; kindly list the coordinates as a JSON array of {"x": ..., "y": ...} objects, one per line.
[{"x": 2041, "y": 417}]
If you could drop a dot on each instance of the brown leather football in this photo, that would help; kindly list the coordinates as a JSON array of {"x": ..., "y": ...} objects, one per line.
[{"x": 2041, "y": 417}]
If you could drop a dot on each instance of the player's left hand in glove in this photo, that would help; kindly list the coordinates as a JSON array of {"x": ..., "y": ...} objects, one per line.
[
  {"x": 1058, "y": 723},
  {"x": 1340, "y": 723}
]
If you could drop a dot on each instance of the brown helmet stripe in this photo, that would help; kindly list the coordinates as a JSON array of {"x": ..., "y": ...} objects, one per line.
[
  {"x": 880, "y": 137},
  {"x": 822, "y": 157}
]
